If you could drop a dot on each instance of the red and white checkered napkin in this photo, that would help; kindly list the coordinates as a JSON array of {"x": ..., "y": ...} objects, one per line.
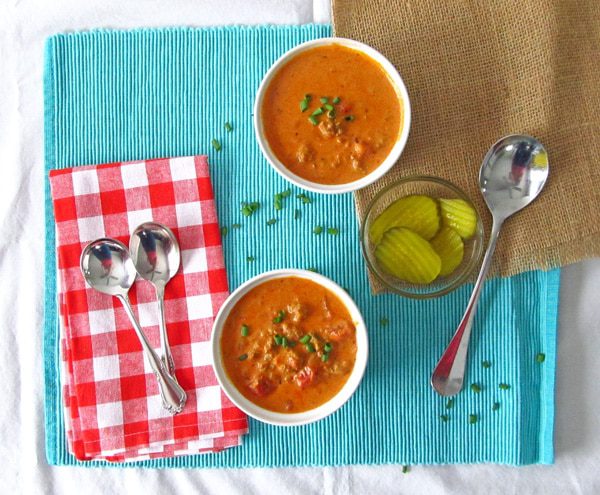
[{"x": 113, "y": 409}]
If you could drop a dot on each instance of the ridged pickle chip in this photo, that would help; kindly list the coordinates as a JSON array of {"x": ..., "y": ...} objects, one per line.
[
  {"x": 460, "y": 216},
  {"x": 418, "y": 213},
  {"x": 406, "y": 255},
  {"x": 450, "y": 248}
]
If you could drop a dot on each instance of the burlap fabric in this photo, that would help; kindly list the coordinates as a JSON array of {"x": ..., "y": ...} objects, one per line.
[{"x": 478, "y": 70}]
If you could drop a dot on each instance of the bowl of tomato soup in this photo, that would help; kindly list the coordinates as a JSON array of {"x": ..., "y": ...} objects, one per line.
[
  {"x": 289, "y": 347},
  {"x": 332, "y": 115}
]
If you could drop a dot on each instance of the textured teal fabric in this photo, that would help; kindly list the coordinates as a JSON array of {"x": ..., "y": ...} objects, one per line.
[{"x": 125, "y": 95}]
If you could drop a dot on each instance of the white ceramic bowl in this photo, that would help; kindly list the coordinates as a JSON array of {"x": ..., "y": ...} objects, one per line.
[
  {"x": 392, "y": 157},
  {"x": 312, "y": 415}
]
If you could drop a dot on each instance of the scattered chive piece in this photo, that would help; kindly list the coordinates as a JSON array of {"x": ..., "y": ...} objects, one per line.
[
  {"x": 249, "y": 208},
  {"x": 384, "y": 322},
  {"x": 475, "y": 387},
  {"x": 317, "y": 230},
  {"x": 286, "y": 193},
  {"x": 313, "y": 120},
  {"x": 486, "y": 364},
  {"x": 228, "y": 127},
  {"x": 304, "y": 105},
  {"x": 450, "y": 404},
  {"x": 296, "y": 214},
  {"x": 541, "y": 357},
  {"x": 404, "y": 469},
  {"x": 327, "y": 347},
  {"x": 278, "y": 201},
  {"x": 304, "y": 198},
  {"x": 333, "y": 231},
  {"x": 244, "y": 330},
  {"x": 250, "y": 259},
  {"x": 309, "y": 347},
  {"x": 305, "y": 339},
  {"x": 504, "y": 386},
  {"x": 349, "y": 118},
  {"x": 277, "y": 339},
  {"x": 472, "y": 418},
  {"x": 308, "y": 97},
  {"x": 243, "y": 357},
  {"x": 336, "y": 100},
  {"x": 325, "y": 357},
  {"x": 324, "y": 99},
  {"x": 331, "y": 114},
  {"x": 236, "y": 226},
  {"x": 495, "y": 406},
  {"x": 312, "y": 269},
  {"x": 328, "y": 107},
  {"x": 317, "y": 112},
  {"x": 271, "y": 221},
  {"x": 444, "y": 417},
  {"x": 280, "y": 316},
  {"x": 216, "y": 144},
  {"x": 224, "y": 231},
  {"x": 284, "y": 342}
]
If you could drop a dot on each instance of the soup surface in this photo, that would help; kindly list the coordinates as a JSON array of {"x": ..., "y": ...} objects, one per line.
[
  {"x": 331, "y": 115},
  {"x": 289, "y": 345}
]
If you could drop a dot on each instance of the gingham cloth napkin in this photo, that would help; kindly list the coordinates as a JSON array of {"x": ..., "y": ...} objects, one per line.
[{"x": 113, "y": 409}]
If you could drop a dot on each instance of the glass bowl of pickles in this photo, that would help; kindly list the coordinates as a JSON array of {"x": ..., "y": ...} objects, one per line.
[{"x": 422, "y": 237}]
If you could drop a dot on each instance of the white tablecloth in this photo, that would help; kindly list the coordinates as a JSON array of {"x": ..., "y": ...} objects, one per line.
[{"x": 24, "y": 25}]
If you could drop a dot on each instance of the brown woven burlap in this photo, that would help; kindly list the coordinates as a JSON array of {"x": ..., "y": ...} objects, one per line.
[{"x": 478, "y": 70}]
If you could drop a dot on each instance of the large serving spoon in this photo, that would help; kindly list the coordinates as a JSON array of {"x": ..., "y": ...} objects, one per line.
[
  {"x": 107, "y": 267},
  {"x": 156, "y": 256},
  {"x": 512, "y": 175}
]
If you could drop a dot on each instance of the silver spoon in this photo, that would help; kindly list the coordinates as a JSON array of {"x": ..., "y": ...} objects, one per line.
[
  {"x": 156, "y": 256},
  {"x": 107, "y": 267},
  {"x": 512, "y": 175}
]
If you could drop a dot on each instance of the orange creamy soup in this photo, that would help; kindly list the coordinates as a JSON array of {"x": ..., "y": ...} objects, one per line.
[{"x": 331, "y": 115}]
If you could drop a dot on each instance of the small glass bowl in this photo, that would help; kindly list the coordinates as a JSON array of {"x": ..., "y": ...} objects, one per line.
[{"x": 435, "y": 188}]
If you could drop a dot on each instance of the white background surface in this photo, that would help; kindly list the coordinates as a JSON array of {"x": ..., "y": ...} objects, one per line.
[{"x": 24, "y": 25}]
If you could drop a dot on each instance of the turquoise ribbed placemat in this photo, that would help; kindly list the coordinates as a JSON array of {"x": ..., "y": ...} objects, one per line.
[{"x": 125, "y": 95}]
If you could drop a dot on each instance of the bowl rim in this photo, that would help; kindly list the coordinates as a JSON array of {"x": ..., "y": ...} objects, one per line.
[
  {"x": 475, "y": 259},
  {"x": 394, "y": 153},
  {"x": 312, "y": 415}
]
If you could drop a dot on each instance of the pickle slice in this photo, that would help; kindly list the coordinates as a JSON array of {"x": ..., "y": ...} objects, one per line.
[
  {"x": 406, "y": 255},
  {"x": 450, "y": 248},
  {"x": 460, "y": 216},
  {"x": 418, "y": 213}
]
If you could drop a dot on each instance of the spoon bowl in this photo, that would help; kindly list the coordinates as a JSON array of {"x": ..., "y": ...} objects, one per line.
[{"x": 512, "y": 175}]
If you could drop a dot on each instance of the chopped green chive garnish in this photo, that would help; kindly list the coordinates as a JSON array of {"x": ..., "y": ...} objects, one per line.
[
  {"x": 249, "y": 208},
  {"x": 224, "y": 231},
  {"x": 486, "y": 364},
  {"x": 228, "y": 127},
  {"x": 304, "y": 105},
  {"x": 475, "y": 387},
  {"x": 308, "y": 97},
  {"x": 278, "y": 201},
  {"x": 309, "y": 347},
  {"x": 304, "y": 198},
  {"x": 504, "y": 386},
  {"x": 313, "y": 120},
  {"x": 216, "y": 144},
  {"x": 540, "y": 358},
  {"x": 305, "y": 339},
  {"x": 384, "y": 322},
  {"x": 325, "y": 357},
  {"x": 327, "y": 347},
  {"x": 296, "y": 214},
  {"x": 277, "y": 339},
  {"x": 444, "y": 417},
  {"x": 280, "y": 316},
  {"x": 284, "y": 342},
  {"x": 472, "y": 418},
  {"x": 336, "y": 100},
  {"x": 404, "y": 469},
  {"x": 349, "y": 118},
  {"x": 243, "y": 357},
  {"x": 324, "y": 99},
  {"x": 286, "y": 193},
  {"x": 450, "y": 404},
  {"x": 317, "y": 230},
  {"x": 495, "y": 406},
  {"x": 312, "y": 269},
  {"x": 250, "y": 259},
  {"x": 236, "y": 226},
  {"x": 271, "y": 221},
  {"x": 328, "y": 107},
  {"x": 317, "y": 112},
  {"x": 244, "y": 330},
  {"x": 333, "y": 231}
]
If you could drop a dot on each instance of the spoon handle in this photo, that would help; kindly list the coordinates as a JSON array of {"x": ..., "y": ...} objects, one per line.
[
  {"x": 448, "y": 375},
  {"x": 164, "y": 338},
  {"x": 173, "y": 396}
]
